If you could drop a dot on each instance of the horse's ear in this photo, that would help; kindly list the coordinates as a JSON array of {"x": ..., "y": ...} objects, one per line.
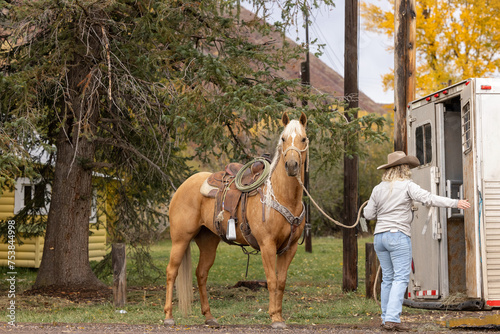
[
  {"x": 303, "y": 119},
  {"x": 284, "y": 119}
]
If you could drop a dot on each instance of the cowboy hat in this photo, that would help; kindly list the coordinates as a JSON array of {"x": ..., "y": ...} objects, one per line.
[{"x": 400, "y": 158}]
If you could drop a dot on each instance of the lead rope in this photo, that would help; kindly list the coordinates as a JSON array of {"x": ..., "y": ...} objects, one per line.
[
  {"x": 325, "y": 214},
  {"x": 340, "y": 224},
  {"x": 306, "y": 149},
  {"x": 330, "y": 218},
  {"x": 375, "y": 286}
]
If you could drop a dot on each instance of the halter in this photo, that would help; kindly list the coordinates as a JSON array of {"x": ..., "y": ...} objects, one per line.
[{"x": 299, "y": 151}]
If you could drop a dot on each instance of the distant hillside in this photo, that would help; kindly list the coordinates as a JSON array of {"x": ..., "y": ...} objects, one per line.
[{"x": 323, "y": 78}]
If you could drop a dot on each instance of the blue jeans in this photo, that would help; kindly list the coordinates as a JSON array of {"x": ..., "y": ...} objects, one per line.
[{"x": 394, "y": 253}]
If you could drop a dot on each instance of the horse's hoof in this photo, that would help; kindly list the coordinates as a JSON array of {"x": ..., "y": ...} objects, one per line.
[
  {"x": 212, "y": 323},
  {"x": 169, "y": 322},
  {"x": 278, "y": 325}
]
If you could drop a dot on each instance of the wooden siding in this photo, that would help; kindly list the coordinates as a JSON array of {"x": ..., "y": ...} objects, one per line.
[
  {"x": 29, "y": 254},
  {"x": 6, "y": 205}
]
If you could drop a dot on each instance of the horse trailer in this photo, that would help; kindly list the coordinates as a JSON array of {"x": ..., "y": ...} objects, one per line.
[{"x": 455, "y": 133}]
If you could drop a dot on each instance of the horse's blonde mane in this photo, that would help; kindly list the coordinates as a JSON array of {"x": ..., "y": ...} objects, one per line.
[{"x": 293, "y": 127}]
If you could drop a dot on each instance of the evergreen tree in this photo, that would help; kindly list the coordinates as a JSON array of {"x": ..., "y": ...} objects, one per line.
[{"x": 125, "y": 90}]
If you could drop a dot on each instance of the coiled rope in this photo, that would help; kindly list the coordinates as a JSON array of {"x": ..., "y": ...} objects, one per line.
[{"x": 257, "y": 183}]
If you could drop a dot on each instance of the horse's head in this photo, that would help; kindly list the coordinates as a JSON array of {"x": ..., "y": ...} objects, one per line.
[{"x": 294, "y": 143}]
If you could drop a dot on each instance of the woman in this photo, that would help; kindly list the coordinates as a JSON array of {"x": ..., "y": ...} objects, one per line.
[{"x": 390, "y": 203}]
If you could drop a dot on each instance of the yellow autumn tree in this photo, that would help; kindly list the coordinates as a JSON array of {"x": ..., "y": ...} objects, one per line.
[{"x": 456, "y": 39}]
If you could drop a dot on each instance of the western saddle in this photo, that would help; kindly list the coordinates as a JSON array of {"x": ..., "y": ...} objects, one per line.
[{"x": 229, "y": 195}]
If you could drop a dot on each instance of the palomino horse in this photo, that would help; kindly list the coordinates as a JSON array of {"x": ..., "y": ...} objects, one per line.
[{"x": 192, "y": 217}]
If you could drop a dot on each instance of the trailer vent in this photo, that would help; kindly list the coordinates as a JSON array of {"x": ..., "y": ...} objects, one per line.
[
  {"x": 466, "y": 128},
  {"x": 492, "y": 236}
]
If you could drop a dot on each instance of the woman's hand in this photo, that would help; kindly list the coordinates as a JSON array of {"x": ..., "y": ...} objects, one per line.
[{"x": 463, "y": 204}]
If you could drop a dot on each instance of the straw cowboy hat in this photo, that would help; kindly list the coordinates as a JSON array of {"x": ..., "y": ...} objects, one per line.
[{"x": 399, "y": 158}]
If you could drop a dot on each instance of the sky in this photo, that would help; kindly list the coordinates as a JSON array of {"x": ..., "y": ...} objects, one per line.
[{"x": 374, "y": 60}]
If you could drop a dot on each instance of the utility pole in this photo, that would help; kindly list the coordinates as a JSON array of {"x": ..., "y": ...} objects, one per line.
[
  {"x": 305, "y": 76},
  {"x": 351, "y": 92},
  {"x": 405, "y": 26}
]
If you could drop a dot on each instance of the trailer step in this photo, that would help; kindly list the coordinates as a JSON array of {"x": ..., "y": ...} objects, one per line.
[{"x": 486, "y": 321}]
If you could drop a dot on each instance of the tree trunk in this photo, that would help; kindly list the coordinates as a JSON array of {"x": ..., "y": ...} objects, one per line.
[{"x": 65, "y": 261}]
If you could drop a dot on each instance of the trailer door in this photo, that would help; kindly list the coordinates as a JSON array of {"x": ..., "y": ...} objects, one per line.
[
  {"x": 426, "y": 230},
  {"x": 471, "y": 224}
]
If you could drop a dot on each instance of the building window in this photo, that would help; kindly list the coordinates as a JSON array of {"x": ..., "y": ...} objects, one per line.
[
  {"x": 31, "y": 195},
  {"x": 34, "y": 196},
  {"x": 93, "y": 208},
  {"x": 423, "y": 142},
  {"x": 466, "y": 128}
]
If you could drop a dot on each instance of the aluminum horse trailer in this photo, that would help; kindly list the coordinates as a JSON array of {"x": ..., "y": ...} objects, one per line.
[{"x": 455, "y": 133}]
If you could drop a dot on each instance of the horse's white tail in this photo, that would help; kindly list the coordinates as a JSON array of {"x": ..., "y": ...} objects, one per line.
[{"x": 184, "y": 283}]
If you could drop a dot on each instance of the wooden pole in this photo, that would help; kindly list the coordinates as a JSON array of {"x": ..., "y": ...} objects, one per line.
[
  {"x": 119, "y": 261},
  {"x": 306, "y": 80},
  {"x": 351, "y": 92},
  {"x": 371, "y": 266},
  {"x": 405, "y": 26},
  {"x": 308, "y": 237}
]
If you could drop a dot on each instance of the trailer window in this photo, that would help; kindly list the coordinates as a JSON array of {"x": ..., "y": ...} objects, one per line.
[
  {"x": 466, "y": 133},
  {"x": 423, "y": 141}
]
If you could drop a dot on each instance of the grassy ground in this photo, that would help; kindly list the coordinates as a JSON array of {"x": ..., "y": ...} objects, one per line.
[{"x": 313, "y": 293}]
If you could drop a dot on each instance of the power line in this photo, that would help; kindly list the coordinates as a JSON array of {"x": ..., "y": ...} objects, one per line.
[{"x": 320, "y": 34}]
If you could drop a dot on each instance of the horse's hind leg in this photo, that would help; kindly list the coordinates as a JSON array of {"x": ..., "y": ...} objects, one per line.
[
  {"x": 176, "y": 255},
  {"x": 207, "y": 242}
]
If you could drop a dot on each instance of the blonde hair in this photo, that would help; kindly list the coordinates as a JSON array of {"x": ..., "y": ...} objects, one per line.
[{"x": 400, "y": 172}]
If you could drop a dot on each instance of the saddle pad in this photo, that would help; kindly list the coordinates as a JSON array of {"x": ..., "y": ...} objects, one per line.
[{"x": 207, "y": 190}]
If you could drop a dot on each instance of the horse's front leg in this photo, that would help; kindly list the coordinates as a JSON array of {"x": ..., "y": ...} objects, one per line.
[
  {"x": 283, "y": 263},
  {"x": 269, "y": 262}
]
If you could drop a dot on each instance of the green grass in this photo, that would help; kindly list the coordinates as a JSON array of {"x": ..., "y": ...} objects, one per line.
[{"x": 313, "y": 293}]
